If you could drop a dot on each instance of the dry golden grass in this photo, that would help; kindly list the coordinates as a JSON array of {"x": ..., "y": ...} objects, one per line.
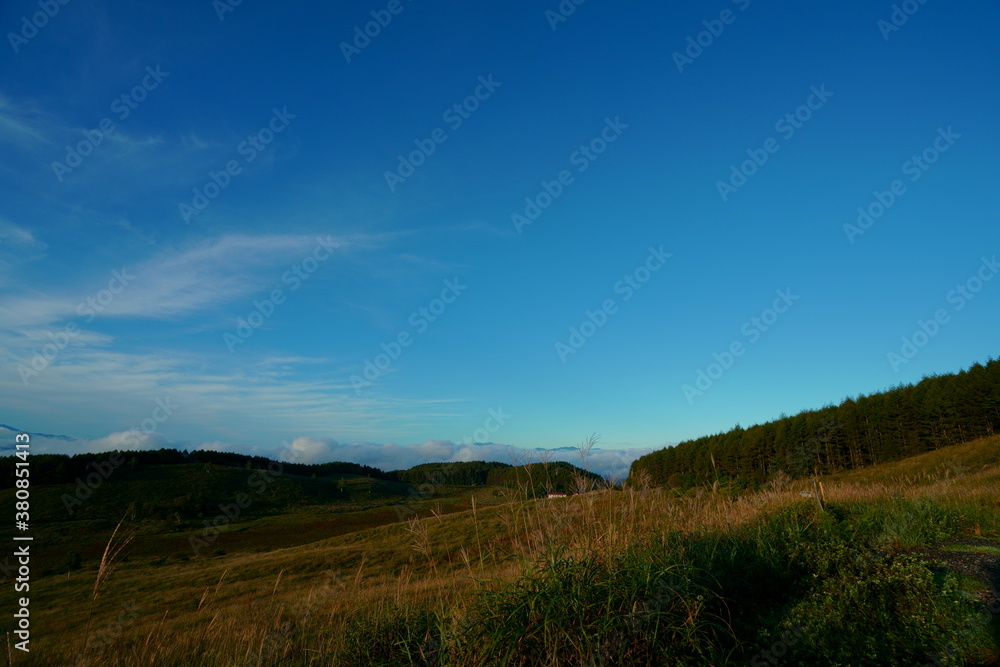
[{"x": 267, "y": 608}]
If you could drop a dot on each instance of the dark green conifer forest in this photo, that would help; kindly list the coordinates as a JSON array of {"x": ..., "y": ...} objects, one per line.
[{"x": 938, "y": 411}]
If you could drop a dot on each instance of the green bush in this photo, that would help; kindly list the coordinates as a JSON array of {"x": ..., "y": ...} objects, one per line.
[{"x": 886, "y": 611}]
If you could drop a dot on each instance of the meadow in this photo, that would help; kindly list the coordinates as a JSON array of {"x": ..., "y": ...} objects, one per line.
[{"x": 893, "y": 564}]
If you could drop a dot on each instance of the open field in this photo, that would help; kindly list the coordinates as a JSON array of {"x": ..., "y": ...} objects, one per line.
[{"x": 630, "y": 576}]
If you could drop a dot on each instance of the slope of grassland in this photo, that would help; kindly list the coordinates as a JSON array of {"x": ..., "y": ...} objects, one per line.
[
  {"x": 248, "y": 510},
  {"x": 944, "y": 463},
  {"x": 169, "y": 596},
  {"x": 634, "y": 577}
]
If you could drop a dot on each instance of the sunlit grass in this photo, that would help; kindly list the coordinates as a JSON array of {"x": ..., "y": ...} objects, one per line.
[
  {"x": 620, "y": 576},
  {"x": 993, "y": 551}
]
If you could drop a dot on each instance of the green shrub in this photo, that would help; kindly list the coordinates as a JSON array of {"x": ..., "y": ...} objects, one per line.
[{"x": 882, "y": 611}]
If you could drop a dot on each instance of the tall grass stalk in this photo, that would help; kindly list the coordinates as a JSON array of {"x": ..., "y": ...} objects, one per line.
[{"x": 108, "y": 564}]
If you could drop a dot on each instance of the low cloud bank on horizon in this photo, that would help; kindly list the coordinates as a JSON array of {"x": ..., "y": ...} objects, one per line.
[{"x": 610, "y": 463}]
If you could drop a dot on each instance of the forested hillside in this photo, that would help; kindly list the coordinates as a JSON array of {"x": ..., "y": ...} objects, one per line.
[
  {"x": 541, "y": 478},
  {"x": 938, "y": 411},
  {"x": 63, "y": 469},
  {"x": 465, "y": 472}
]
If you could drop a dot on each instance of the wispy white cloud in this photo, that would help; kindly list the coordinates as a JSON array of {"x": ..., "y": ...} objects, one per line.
[
  {"x": 209, "y": 274},
  {"x": 18, "y": 245},
  {"x": 217, "y": 397},
  {"x": 28, "y": 128},
  {"x": 18, "y": 236},
  {"x": 54, "y": 346},
  {"x": 172, "y": 283},
  {"x": 127, "y": 162},
  {"x": 23, "y": 126}
]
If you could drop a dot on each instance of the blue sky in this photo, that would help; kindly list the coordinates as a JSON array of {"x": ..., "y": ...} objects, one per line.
[{"x": 207, "y": 206}]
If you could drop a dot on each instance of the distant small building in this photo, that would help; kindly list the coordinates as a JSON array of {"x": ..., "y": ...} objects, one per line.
[{"x": 554, "y": 494}]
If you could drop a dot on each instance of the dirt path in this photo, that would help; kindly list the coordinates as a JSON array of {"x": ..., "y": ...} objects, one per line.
[{"x": 983, "y": 567}]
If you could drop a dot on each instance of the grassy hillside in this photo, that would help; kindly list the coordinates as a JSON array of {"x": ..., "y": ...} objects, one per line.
[
  {"x": 180, "y": 510},
  {"x": 538, "y": 479},
  {"x": 946, "y": 463},
  {"x": 633, "y": 577},
  {"x": 460, "y": 472}
]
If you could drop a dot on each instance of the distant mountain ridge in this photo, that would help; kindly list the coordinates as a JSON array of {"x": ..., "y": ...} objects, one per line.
[
  {"x": 65, "y": 469},
  {"x": 40, "y": 435}
]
